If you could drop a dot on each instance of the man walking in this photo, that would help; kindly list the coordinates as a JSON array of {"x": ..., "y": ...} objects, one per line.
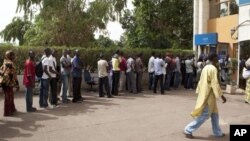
[
  {"x": 208, "y": 90},
  {"x": 103, "y": 77},
  {"x": 29, "y": 81}
]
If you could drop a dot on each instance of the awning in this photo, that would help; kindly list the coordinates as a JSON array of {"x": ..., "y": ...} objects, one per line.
[{"x": 206, "y": 39}]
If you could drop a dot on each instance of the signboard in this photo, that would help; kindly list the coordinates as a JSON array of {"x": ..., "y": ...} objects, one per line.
[
  {"x": 206, "y": 39},
  {"x": 244, "y": 2}
]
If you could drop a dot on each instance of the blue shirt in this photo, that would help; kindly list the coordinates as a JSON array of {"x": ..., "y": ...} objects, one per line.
[{"x": 77, "y": 66}]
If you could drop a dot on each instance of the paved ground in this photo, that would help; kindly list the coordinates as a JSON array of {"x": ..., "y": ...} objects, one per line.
[{"x": 143, "y": 117}]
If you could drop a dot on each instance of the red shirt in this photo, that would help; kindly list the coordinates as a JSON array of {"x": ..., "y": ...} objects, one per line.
[
  {"x": 123, "y": 64},
  {"x": 29, "y": 71}
]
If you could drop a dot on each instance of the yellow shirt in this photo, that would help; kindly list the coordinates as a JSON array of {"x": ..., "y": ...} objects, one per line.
[
  {"x": 116, "y": 64},
  {"x": 208, "y": 90}
]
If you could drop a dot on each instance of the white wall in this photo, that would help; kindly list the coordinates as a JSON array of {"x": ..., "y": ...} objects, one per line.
[{"x": 244, "y": 30}]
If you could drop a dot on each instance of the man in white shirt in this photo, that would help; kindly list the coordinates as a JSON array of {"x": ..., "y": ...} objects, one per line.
[
  {"x": 44, "y": 89},
  {"x": 158, "y": 68},
  {"x": 103, "y": 77},
  {"x": 189, "y": 73},
  {"x": 131, "y": 75},
  {"x": 53, "y": 81},
  {"x": 151, "y": 70}
]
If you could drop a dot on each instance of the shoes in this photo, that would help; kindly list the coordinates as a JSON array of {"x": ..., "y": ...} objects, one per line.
[
  {"x": 222, "y": 135},
  {"x": 54, "y": 106},
  {"x": 101, "y": 96},
  {"x": 189, "y": 136},
  {"x": 31, "y": 110},
  {"x": 110, "y": 96}
]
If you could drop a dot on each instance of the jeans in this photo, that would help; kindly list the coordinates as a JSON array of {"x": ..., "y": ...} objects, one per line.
[
  {"x": 194, "y": 125},
  {"x": 77, "y": 88},
  {"x": 189, "y": 84},
  {"x": 53, "y": 91},
  {"x": 176, "y": 79},
  {"x": 168, "y": 80},
  {"x": 65, "y": 86},
  {"x": 159, "y": 77},
  {"x": 139, "y": 81},
  {"x": 115, "y": 82},
  {"x": 29, "y": 97},
  {"x": 131, "y": 82},
  {"x": 44, "y": 93},
  {"x": 122, "y": 81},
  {"x": 104, "y": 81},
  {"x": 151, "y": 80}
]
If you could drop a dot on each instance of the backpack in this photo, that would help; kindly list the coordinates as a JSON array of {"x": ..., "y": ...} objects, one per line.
[{"x": 39, "y": 69}]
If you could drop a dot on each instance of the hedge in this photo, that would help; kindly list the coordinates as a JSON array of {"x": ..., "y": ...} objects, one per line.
[{"x": 89, "y": 55}]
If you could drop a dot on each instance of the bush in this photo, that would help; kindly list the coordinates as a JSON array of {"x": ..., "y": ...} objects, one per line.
[{"x": 89, "y": 55}]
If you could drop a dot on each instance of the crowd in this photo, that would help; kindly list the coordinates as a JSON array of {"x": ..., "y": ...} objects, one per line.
[{"x": 121, "y": 73}]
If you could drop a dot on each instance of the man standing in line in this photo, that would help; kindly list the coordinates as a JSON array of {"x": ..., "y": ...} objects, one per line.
[
  {"x": 158, "y": 68},
  {"x": 65, "y": 73},
  {"x": 103, "y": 77},
  {"x": 69, "y": 89},
  {"x": 208, "y": 90},
  {"x": 116, "y": 73},
  {"x": 44, "y": 90},
  {"x": 189, "y": 73},
  {"x": 151, "y": 71},
  {"x": 29, "y": 81},
  {"x": 131, "y": 75},
  {"x": 139, "y": 72},
  {"x": 77, "y": 67},
  {"x": 123, "y": 67},
  {"x": 53, "y": 80}
]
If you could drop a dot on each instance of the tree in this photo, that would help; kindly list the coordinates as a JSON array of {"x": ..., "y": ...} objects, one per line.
[
  {"x": 69, "y": 22},
  {"x": 16, "y": 30},
  {"x": 159, "y": 23}
]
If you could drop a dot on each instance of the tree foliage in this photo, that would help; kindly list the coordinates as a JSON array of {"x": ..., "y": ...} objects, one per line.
[
  {"x": 69, "y": 22},
  {"x": 16, "y": 30},
  {"x": 159, "y": 23}
]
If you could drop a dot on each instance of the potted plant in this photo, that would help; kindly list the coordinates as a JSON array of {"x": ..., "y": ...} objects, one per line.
[{"x": 231, "y": 84}]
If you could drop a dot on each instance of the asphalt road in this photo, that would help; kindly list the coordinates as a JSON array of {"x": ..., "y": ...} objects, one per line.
[{"x": 141, "y": 117}]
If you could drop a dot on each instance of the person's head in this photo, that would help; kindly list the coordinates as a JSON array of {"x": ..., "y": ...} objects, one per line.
[
  {"x": 65, "y": 53},
  {"x": 31, "y": 55},
  {"x": 10, "y": 55},
  {"x": 77, "y": 53},
  {"x": 153, "y": 53},
  {"x": 213, "y": 58},
  {"x": 68, "y": 51},
  {"x": 101, "y": 56},
  {"x": 47, "y": 52},
  {"x": 200, "y": 59},
  {"x": 121, "y": 53},
  {"x": 117, "y": 52},
  {"x": 53, "y": 53},
  {"x": 139, "y": 54}
]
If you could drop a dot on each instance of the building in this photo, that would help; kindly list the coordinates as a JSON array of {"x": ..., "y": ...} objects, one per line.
[{"x": 222, "y": 26}]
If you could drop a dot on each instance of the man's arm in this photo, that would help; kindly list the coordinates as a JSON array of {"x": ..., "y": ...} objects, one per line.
[{"x": 216, "y": 86}]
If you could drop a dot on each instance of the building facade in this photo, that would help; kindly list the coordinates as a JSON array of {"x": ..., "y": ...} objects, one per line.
[{"x": 222, "y": 26}]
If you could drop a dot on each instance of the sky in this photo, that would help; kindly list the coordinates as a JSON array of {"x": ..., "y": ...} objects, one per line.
[{"x": 8, "y": 11}]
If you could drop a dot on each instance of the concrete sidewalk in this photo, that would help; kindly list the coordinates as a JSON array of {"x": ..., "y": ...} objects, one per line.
[{"x": 141, "y": 117}]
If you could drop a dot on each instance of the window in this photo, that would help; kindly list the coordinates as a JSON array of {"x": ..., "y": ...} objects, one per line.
[{"x": 224, "y": 9}]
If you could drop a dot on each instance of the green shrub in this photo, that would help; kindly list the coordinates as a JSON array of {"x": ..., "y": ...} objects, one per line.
[{"x": 89, "y": 55}]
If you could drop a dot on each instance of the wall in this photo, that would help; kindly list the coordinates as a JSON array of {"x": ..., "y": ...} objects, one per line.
[{"x": 223, "y": 26}]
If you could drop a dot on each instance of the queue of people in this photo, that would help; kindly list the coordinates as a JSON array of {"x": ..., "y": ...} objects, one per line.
[{"x": 116, "y": 76}]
